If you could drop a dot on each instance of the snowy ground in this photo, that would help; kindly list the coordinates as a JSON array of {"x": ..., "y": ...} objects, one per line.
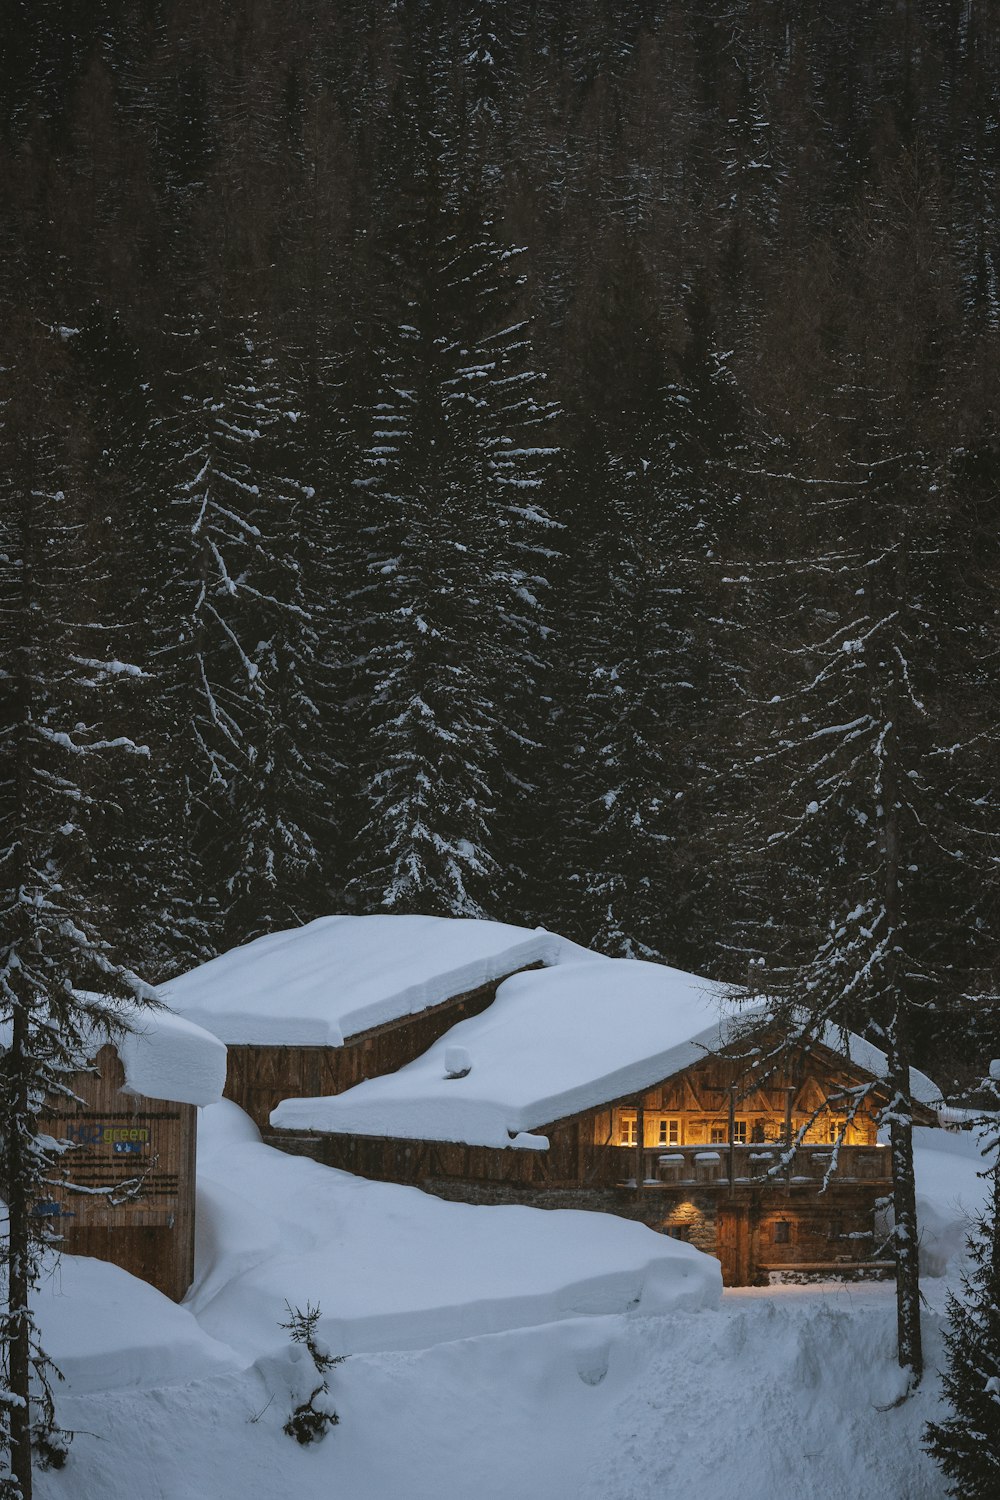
[{"x": 782, "y": 1394}]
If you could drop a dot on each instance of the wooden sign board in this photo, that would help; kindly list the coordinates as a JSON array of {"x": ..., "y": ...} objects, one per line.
[
  {"x": 124, "y": 1162},
  {"x": 124, "y": 1191}
]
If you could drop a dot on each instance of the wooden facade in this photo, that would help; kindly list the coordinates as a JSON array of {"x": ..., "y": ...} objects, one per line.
[
  {"x": 699, "y": 1157},
  {"x": 128, "y": 1183},
  {"x": 260, "y": 1077}
]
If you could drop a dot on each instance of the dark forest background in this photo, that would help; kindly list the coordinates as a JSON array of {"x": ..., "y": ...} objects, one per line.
[{"x": 515, "y": 459}]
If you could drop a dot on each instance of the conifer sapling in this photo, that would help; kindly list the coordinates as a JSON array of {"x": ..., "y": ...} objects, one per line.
[{"x": 312, "y": 1418}]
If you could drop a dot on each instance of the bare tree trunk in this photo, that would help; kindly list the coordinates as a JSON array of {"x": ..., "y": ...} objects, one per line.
[
  {"x": 895, "y": 1019},
  {"x": 904, "y": 1202},
  {"x": 20, "y": 1122},
  {"x": 995, "y": 1231},
  {"x": 19, "y": 1260}
]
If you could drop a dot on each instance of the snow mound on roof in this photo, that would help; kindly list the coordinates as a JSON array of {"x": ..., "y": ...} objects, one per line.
[
  {"x": 553, "y": 1043},
  {"x": 393, "y": 1268},
  {"x": 163, "y": 1055},
  {"x": 106, "y": 1330},
  {"x": 167, "y": 1057},
  {"x": 316, "y": 985}
]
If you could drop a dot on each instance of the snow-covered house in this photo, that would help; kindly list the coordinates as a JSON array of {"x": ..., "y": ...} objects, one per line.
[
  {"x": 128, "y": 1194},
  {"x": 601, "y": 1085},
  {"x": 316, "y": 1009}
]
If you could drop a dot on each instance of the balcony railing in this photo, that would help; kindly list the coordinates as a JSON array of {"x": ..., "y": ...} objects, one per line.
[{"x": 669, "y": 1166}]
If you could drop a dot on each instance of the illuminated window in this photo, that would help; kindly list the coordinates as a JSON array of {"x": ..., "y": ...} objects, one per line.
[
  {"x": 628, "y": 1128},
  {"x": 669, "y": 1132},
  {"x": 740, "y": 1132},
  {"x": 719, "y": 1134},
  {"x": 834, "y": 1130}
]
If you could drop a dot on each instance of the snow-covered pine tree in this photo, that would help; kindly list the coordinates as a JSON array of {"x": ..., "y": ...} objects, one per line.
[
  {"x": 315, "y": 1414},
  {"x": 60, "y": 741},
  {"x": 875, "y": 801},
  {"x": 281, "y": 815},
  {"x": 238, "y": 642},
  {"x": 644, "y": 652},
  {"x": 449, "y": 505},
  {"x": 490, "y": 31},
  {"x": 209, "y": 499},
  {"x": 110, "y": 468},
  {"x": 966, "y": 1444},
  {"x": 612, "y": 792}
]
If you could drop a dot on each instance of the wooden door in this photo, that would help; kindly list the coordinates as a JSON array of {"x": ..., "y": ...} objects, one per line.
[{"x": 733, "y": 1245}]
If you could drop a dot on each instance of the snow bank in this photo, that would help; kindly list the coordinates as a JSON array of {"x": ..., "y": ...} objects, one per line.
[
  {"x": 554, "y": 1042},
  {"x": 766, "y": 1394},
  {"x": 316, "y": 985},
  {"x": 950, "y": 1193},
  {"x": 106, "y": 1330},
  {"x": 778, "y": 1396},
  {"x": 393, "y": 1268}
]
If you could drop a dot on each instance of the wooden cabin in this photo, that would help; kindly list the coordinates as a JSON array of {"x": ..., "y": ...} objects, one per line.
[
  {"x": 320, "y": 1008},
  {"x": 127, "y": 1193},
  {"x": 783, "y": 1175}
]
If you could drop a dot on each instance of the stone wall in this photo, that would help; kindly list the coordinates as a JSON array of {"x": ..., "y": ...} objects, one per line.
[{"x": 692, "y": 1219}]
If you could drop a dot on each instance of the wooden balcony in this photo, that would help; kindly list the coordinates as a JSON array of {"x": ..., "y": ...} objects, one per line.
[{"x": 687, "y": 1166}]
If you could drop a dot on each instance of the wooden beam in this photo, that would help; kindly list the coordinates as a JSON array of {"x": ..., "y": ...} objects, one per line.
[
  {"x": 732, "y": 1139},
  {"x": 640, "y": 1149}
]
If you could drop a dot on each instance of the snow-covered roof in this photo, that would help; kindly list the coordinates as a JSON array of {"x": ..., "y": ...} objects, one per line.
[
  {"x": 869, "y": 1057},
  {"x": 553, "y": 1043},
  {"x": 164, "y": 1056},
  {"x": 317, "y": 985},
  {"x": 167, "y": 1057}
]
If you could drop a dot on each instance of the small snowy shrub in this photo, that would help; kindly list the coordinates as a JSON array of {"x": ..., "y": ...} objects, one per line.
[
  {"x": 312, "y": 1418},
  {"x": 52, "y": 1449}
]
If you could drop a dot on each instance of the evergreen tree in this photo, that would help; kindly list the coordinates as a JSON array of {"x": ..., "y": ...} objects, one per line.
[
  {"x": 645, "y": 652},
  {"x": 280, "y": 806},
  {"x": 966, "y": 1444},
  {"x": 242, "y": 722},
  {"x": 449, "y": 505},
  {"x": 59, "y": 673},
  {"x": 871, "y": 760},
  {"x": 206, "y": 435}
]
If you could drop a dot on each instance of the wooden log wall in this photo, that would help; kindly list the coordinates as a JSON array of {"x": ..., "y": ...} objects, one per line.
[
  {"x": 389, "y": 1160},
  {"x": 751, "y": 1227},
  {"x": 701, "y": 1097},
  {"x": 125, "y": 1192},
  {"x": 802, "y": 1232},
  {"x": 260, "y": 1077}
]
